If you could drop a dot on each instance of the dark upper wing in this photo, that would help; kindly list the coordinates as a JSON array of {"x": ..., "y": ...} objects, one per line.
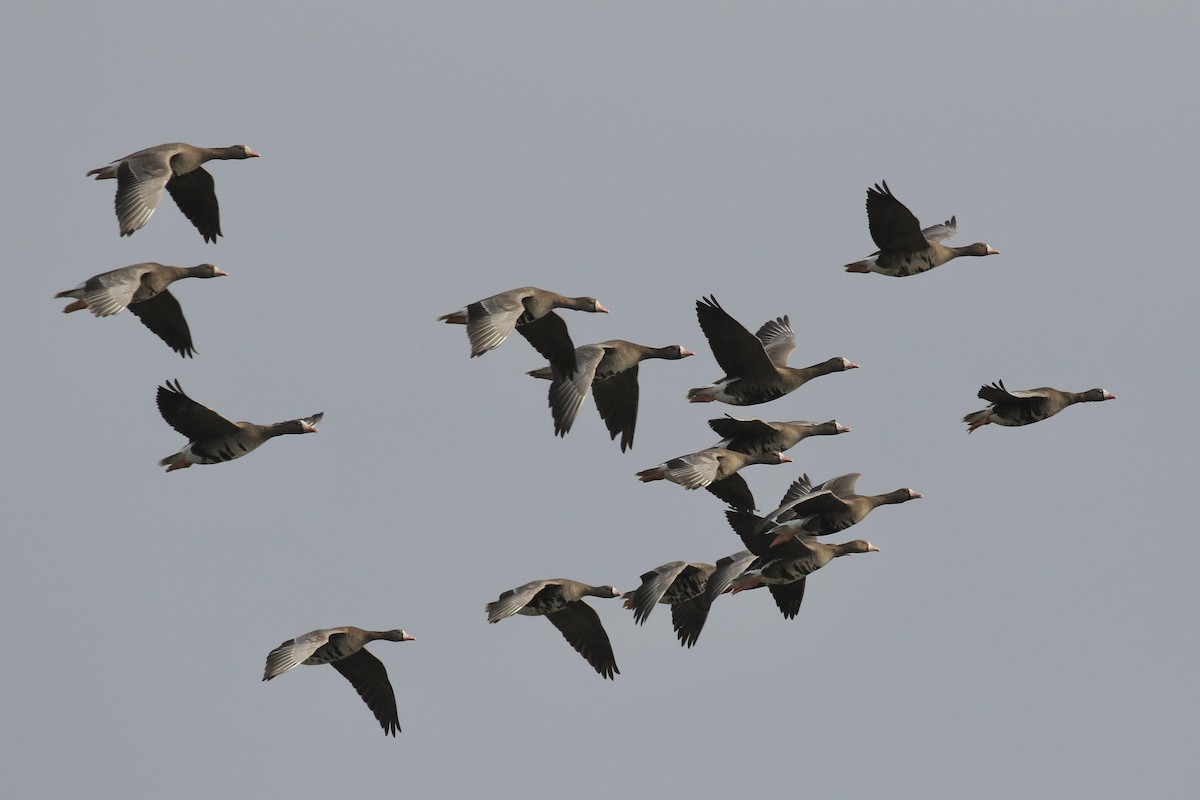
[
  {"x": 617, "y": 401},
  {"x": 788, "y": 597},
  {"x": 196, "y": 196},
  {"x": 549, "y": 336},
  {"x": 996, "y": 393},
  {"x": 189, "y": 417},
  {"x": 759, "y": 542},
  {"x": 893, "y": 226},
  {"x": 734, "y": 491},
  {"x": 739, "y": 352},
  {"x": 163, "y": 315},
  {"x": 368, "y": 676},
  {"x": 745, "y": 524},
  {"x": 729, "y": 427},
  {"x": 745, "y": 435},
  {"x": 580, "y": 626},
  {"x": 688, "y": 618},
  {"x": 797, "y": 489}
]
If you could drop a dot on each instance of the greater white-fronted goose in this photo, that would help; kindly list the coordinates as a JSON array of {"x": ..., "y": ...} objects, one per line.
[
  {"x": 531, "y": 311},
  {"x": 904, "y": 248},
  {"x": 345, "y": 649},
  {"x": 213, "y": 438},
  {"x": 176, "y": 167},
  {"x": 694, "y": 613},
  {"x": 679, "y": 584},
  {"x": 560, "y": 600},
  {"x": 610, "y": 370},
  {"x": 713, "y": 469},
  {"x": 755, "y": 365},
  {"x": 783, "y": 568},
  {"x": 142, "y": 288},
  {"x": 750, "y": 435},
  {"x": 1027, "y": 406},
  {"x": 833, "y": 506}
]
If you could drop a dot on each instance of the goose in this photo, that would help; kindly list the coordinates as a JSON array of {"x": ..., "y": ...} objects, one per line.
[
  {"x": 213, "y": 438},
  {"x": 560, "y": 600},
  {"x": 690, "y": 616},
  {"x": 1027, "y": 406},
  {"x": 142, "y": 288},
  {"x": 783, "y": 568},
  {"x": 345, "y": 649},
  {"x": 904, "y": 248},
  {"x": 753, "y": 436},
  {"x": 755, "y": 365},
  {"x": 714, "y": 469},
  {"x": 610, "y": 370},
  {"x": 531, "y": 311},
  {"x": 679, "y": 584},
  {"x": 828, "y": 508},
  {"x": 176, "y": 167}
]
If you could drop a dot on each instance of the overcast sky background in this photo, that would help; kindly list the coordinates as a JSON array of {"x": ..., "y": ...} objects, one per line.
[{"x": 1028, "y": 628}]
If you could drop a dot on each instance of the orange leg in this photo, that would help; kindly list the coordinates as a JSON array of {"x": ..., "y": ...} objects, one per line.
[
  {"x": 751, "y": 584},
  {"x": 786, "y": 536},
  {"x": 979, "y": 423}
]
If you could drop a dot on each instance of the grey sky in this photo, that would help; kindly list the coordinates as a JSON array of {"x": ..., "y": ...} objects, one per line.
[{"x": 1029, "y": 628}]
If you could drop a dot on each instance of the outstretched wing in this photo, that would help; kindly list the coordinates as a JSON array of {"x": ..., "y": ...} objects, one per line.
[
  {"x": 111, "y": 292},
  {"x": 140, "y": 187},
  {"x": 491, "y": 320},
  {"x": 514, "y": 600},
  {"x": 580, "y": 626},
  {"x": 778, "y": 340},
  {"x": 893, "y": 226},
  {"x": 368, "y": 676},
  {"x": 189, "y": 417},
  {"x": 196, "y": 195},
  {"x": 163, "y": 315},
  {"x": 996, "y": 393},
  {"x": 739, "y": 352},
  {"x": 733, "y": 490},
  {"x": 788, "y": 597},
  {"x": 617, "y": 401},
  {"x": 942, "y": 231},
  {"x": 654, "y": 585},
  {"x": 549, "y": 336},
  {"x": 294, "y": 652},
  {"x": 693, "y": 470},
  {"x": 567, "y": 392}
]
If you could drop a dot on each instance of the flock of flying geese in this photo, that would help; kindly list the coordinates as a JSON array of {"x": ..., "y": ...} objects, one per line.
[{"x": 781, "y": 548}]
